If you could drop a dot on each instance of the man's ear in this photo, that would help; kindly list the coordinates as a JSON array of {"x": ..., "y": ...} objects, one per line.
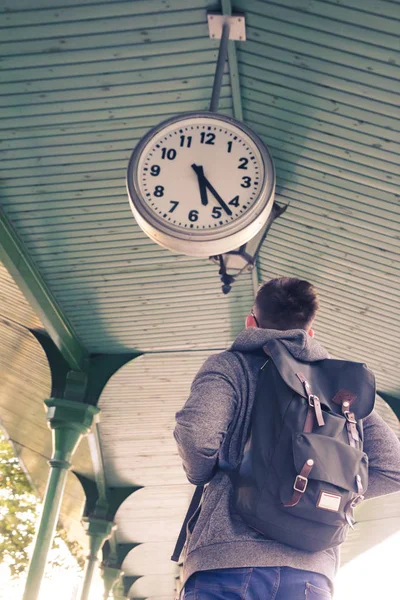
[
  {"x": 251, "y": 322},
  {"x": 311, "y": 332}
]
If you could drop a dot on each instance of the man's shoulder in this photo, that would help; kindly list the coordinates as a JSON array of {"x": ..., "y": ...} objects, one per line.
[
  {"x": 234, "y": 362},
  {"x": 224, "y": 359}
]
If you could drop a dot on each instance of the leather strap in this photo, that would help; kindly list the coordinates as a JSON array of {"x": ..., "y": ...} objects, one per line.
[
  {"x": 313, "y": 400},
  {"x": 194, "y": 505},
  {"x": 309, "y": 422},
  {"x": 351, "y": 424},
  {"x": 300, "y": 483},
  {"x": 317, "y": 409}
]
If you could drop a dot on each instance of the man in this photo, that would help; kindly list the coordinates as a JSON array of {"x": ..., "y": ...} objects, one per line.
[{"x": 223, "y": 557}]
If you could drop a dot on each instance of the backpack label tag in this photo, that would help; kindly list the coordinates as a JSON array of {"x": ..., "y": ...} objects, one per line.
[{"x": 329, "y": 501}]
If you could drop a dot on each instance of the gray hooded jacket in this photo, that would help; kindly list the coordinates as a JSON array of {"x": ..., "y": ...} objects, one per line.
[{"x": 211, "y": 432}]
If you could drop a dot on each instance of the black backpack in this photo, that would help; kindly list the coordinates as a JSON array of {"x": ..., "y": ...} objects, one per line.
[{"x": 303, "y": 468}]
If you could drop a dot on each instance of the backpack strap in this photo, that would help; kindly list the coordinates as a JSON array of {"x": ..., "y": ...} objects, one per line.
[
  {"x": 194, "y": 505},
  {"x": 314, "y": 404}
]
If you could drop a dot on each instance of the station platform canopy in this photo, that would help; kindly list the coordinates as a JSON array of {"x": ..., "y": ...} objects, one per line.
[{"x": 81, "y": 284}]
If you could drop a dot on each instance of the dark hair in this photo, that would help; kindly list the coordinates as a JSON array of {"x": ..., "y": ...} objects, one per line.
[{"x": 286, "y": 303}]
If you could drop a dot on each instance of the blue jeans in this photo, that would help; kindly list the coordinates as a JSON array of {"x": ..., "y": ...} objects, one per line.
[{"x": 262, "y": 583}]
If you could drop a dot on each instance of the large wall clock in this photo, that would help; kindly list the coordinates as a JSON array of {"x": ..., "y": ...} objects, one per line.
[{"x": 201, "y": 184}]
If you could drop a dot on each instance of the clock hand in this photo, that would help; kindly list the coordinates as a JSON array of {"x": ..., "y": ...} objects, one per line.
[
  {"x": 216, "y": 195},
  {"x": 200, "y": 178}
]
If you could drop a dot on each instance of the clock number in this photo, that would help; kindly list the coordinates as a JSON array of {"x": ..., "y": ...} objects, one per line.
[
  {"x": 175, "y": 204},
  {"x": 247, "y": 182},
  {"x": 188, "y": 141},
  {"x": 207, "y": 138},
  {"x": 159, "y": 191},
  {"x": 155, "y": 170},
  {"x": 193, "y": 215},
  {"x": 230, "y": 146},
  {"x": 234, "y": 201},
  {"x": 243, "y": 163},
  {"x": 216, "y": 212},
  {"x": 170, "y": 154}
]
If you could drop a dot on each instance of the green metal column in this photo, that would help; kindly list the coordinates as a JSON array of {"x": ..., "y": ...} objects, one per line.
[
  {"x": 98, "y": 531},
  {"x": 69, "y": 421},
  {"x": 110, "y": 578}
]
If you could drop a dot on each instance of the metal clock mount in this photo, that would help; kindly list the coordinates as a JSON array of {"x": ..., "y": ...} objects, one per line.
[{"x": 203, "y": 184}]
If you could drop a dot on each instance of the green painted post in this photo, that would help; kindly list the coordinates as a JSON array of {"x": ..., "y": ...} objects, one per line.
[
  {"x": 110, "y": 578},
  {"x": 69, "y": 421},
  {"x": 98, "y": 531}
]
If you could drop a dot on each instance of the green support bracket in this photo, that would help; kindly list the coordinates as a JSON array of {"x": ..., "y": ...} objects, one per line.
[
  {"x": 117, "y": 496},
  {"x": 393, "y": 402},
  {"x": 98, "y": 518},
  {"x": 91, "y": 493},
  {"x": 110, "y": 576},
  {"x": 128, "y": 581},
  {"x": 59, "y": 367},
  {"x": 100, "y": 369},
  {"x": 114, "y": 497},
  {"x": 98, "y": 531},
  {"x": 118, "y": 591},
  {"x": 123, "y": 551}
]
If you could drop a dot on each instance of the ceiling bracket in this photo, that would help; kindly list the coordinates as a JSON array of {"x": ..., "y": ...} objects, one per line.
[{"x": 236, "y": 22}]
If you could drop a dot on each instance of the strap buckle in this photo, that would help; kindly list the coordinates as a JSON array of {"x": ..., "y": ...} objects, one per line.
[
  {"x": 303, "y": 481},
  {"x": 350, "y": 417},
  {"x": 356, "y": 500},
  {"x": 311, "y": 398}
]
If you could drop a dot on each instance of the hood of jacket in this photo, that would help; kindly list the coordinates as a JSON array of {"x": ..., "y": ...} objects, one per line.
[{"x": 297, "y": 341}]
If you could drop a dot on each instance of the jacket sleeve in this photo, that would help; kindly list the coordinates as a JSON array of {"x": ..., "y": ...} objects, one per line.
[
  {"x": 383, "y": 450},
  {"x": 202, "y": 424}
]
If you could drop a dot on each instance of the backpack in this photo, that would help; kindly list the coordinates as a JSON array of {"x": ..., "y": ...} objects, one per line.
[{"x": 303, "y": 469}]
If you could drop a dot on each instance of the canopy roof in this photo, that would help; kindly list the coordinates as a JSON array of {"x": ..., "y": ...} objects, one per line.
[{"x": 82, "y": 84}]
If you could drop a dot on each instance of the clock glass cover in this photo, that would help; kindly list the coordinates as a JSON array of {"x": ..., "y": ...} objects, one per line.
[{"x": 199, "y": 177}]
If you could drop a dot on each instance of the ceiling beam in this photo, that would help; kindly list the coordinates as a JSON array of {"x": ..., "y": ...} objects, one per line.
[{"x": 25, "y": 273}]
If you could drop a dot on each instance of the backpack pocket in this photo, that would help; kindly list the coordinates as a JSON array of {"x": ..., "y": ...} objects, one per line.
[{"x": 338, "y": 475}]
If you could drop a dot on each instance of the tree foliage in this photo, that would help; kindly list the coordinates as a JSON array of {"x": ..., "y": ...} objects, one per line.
[{"x": 19, "y": 510}]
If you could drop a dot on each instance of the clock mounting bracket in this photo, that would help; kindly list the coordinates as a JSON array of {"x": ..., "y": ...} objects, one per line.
[
  {"x": 236, "y": 22},
  {"x": 225, "y": 28}
]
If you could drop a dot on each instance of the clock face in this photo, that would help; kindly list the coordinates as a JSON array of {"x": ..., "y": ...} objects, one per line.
[{"x": 198, "y": 177}]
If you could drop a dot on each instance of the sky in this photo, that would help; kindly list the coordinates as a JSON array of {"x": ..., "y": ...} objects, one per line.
[{"x": 62, "y": 584}]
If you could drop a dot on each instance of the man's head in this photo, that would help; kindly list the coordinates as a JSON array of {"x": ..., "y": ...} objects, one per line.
[{"x": 285, "y": 303}]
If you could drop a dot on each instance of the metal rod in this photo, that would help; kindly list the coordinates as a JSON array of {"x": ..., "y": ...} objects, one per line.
[
  {"x": 226, "y": 7},
  {"x": 219, "y": 71},
  {"x": 87, "y": 579},
  {"x": 69, "y": 422},
  {"x": 98, "y": 531}
]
